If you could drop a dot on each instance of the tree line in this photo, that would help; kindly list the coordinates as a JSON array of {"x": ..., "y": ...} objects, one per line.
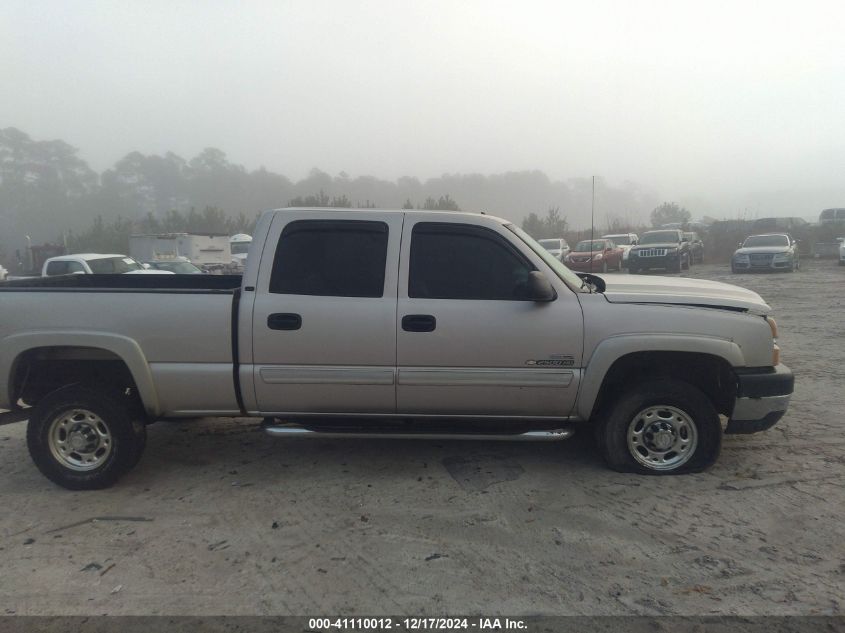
[{"x": 49, "y": 192}]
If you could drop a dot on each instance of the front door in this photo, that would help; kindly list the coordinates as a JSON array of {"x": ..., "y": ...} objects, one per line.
[
  {"x": 324, "y": 318},
  {"x": 468, "y": 342}
]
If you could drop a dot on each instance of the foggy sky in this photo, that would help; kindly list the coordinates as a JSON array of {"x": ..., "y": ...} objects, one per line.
[{"x": 723, "y": 105}]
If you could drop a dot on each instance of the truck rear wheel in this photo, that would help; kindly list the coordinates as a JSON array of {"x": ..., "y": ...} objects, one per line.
[
  {"x": 661, "y": 427},
  {"x": 84, "y": 439}
]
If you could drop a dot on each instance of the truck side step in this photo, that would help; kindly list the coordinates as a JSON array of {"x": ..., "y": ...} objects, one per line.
[{"x": 544, "y": 435}]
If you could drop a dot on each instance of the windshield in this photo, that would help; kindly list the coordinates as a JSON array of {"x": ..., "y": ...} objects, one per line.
[
  {"x": 657, "y": 237},
  {"x": 551, "y": 245},
  {"x": 560, "y": 269},
  {"x": 586, "y": 245},
  {"x": 766, "y": 240},
  {"x": 180, "y": 268},
  {"x": 620, "y": 240},
  {"x": 113, "y": 265},
  {"x": 240, "y": 248}
]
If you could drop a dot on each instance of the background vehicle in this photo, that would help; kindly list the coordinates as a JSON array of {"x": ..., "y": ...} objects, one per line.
[
  {"x": 239, "y": 245},
  {"x": 556, "y": 246},
  {"x": 595, "y": 256},
  {"x": 769, "y": 252},
  {"x": 624, "y": 241},
  {"x": 832, "y": 216},
  {"x": 841, "y": 241},
  {"x": 696, "y": 247},
  {"x": 663, "y": 249},
  {"x": 205, "y": 250},
  {"x": 382, "y": 322},
  {"x": 178, "y": 266},
  {"x": 3, "y": 273},
  {"x": 94, "y": 264}
]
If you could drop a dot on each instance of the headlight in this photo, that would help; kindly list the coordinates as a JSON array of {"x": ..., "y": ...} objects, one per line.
[
  {"x": 741, "y": 257},
  {"x": 783, "y": 256},
  {"x": 597, "y": 256}
]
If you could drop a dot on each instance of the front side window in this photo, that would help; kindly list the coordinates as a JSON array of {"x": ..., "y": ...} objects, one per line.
[
  {"x": 56, "y": 268},
  {"x": 335, "y": 258},
  {"x": 460, "y": 261}
]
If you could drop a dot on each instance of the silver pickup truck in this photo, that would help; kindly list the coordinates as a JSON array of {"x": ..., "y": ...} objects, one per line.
[{"x": 389, "y": 323}]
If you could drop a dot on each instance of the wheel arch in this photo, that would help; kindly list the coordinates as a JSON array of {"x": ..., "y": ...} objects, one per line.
[
  {"x": 705, "y": 362},
  {"x": 19, "y": 352}
]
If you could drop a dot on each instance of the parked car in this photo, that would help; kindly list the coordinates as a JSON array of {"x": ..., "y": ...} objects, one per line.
[
  {"x": 696, "y": 247},
  {"x": 768, "y": 252},
  {"x": 180, "y": 266},
  {"x": 832, "y": 216},
  {"x": 664, "y": 249},
  {"x": 556, "y": 246},
  {"x": 3, "y": 273},
  {"x": 624, "y": 241},
  {"x": 385, "y": 323},
  {"x": 841, "y": 241},
  {"x": 95, "y": 264},
  {"x": 595, "y": 256}
]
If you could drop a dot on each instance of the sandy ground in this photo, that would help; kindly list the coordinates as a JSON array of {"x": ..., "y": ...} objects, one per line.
[{"x": 220, "y": 519}]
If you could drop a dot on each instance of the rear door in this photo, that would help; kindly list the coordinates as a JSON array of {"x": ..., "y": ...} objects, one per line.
[
  {"x": 324, "y": 317},
  {"x": 468, "y": 342}
]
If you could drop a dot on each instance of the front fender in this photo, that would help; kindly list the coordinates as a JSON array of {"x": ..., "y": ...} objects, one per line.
[
  {"x": 612, "y": 349},
  {"x": 125, "y": 348}
]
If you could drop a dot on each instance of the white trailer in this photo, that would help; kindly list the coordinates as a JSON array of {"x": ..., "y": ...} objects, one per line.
[{"x": 201, "y": 249}]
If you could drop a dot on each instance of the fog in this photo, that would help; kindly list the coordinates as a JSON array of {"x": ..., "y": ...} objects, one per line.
[{"x": 728, "y": 108}]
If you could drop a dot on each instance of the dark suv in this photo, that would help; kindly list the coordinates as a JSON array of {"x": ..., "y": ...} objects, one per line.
[{"x": 664, "y": 249}]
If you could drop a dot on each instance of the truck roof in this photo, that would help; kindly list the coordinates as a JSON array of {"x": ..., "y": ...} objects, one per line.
[
  {"x": 397, "y": 211},
  {"x": 86, "y": 256}
]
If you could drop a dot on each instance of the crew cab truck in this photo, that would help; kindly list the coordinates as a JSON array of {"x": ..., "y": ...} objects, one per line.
[{"x": 428, "y": 324}]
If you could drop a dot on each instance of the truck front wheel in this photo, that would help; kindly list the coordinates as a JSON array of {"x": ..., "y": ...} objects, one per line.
[
  {"x": 660, "y": 427},
  {"x": 84, "y": 439}
]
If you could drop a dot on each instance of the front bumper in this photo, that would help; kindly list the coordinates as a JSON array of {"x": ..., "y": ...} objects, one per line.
[
  {"x": 762, "y": 398},
  {"x": 766, "y": 264}
]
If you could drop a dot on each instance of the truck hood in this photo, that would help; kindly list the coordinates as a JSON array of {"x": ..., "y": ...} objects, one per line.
[{"x": 682, "y": 291}]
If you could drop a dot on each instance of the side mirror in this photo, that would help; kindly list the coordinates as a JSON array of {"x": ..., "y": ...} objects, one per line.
[
  {"x": 539, "y": 288},
  {"x": 685, "y": 239}
]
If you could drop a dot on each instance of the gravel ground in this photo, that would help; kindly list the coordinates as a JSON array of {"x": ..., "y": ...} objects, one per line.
[{"x": 220, "y": 519}]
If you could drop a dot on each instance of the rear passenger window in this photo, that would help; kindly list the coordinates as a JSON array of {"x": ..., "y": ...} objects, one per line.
[
  {"x": 56, "y": 268},
  {"x": 460, "y": 261},
  {"x": 334, "y": 258}
]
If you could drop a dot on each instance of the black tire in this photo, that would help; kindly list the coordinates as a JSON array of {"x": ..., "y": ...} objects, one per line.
[
  {"x": 622, "y": 416},
  {"x": 604, "y": 266},
  {"x": 126, "y": 437},
  {"x": 685, "y": 266}
]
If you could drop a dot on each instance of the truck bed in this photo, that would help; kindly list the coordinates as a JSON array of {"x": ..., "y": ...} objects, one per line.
[{"x": 179, "y": 325}]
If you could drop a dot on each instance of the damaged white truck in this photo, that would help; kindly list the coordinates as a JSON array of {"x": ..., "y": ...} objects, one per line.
[{"x": 389, "y": 323}]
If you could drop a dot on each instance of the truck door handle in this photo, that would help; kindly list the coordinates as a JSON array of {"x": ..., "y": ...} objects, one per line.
[
  {"x": 419, "y": 323},
  {"x": 284, "y": 321}
]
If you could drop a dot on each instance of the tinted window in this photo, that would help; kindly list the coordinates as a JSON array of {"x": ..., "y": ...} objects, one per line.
[
  {"x": 657, "y": 237},
  {"x": 337, "y": 258},
  {"x": 75, "y": 267},
  {"x": 457, "y": 261},
  {"x": 56, "y": 268}
]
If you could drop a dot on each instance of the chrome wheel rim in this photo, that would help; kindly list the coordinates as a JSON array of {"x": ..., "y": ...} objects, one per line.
[
  {"x": 80, "y": 440},
  {"x": 662, "y": 437}
]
